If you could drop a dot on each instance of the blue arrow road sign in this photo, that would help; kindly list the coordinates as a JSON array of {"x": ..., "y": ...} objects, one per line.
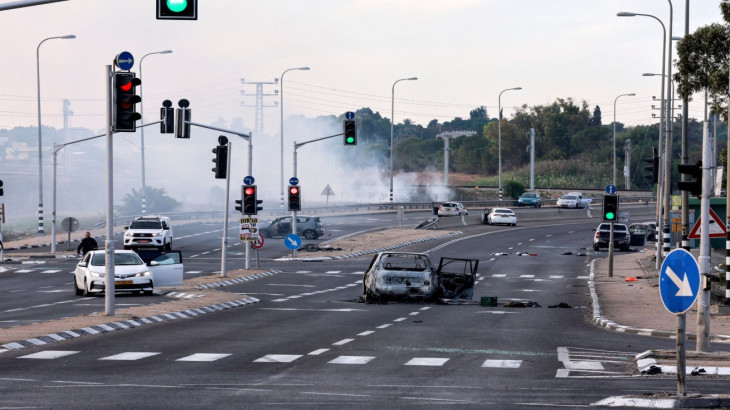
[
  {"x": 611, "y": 189},
  {"x": 293, "y": 241},
  {"x": 124, "y": 60},
  {"x": 350, "y": 115},
  {"x": 248, "y": 180},
  {"x": 679, "y": 281},
  {"x": 293, "y": 181}
]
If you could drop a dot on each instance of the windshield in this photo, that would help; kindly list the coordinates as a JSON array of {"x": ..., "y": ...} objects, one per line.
[
  {"x": 146, "y": 225},
  {"x": 99, "y": 259},
  {"x": 529, "y": 195},
  {"x": 503, "y": 211},
  {"x": 570, "y": 197},
  {"x": 405, "y": 262}
]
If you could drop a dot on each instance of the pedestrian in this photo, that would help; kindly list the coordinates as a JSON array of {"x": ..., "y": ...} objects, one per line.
[{"x": 87, "y": 244}]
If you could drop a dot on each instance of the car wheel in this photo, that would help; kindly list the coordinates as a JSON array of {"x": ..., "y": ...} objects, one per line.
[
  {"x": 310, "y": 234},
  {"x": 596, "y": 248},
  {"x": 168, "y": 246},
  {"x": 126, "y": 248},
  {"x": 148, "y": 292},
  {"x": 514, "y": 224},
  {"x": 85, "y": 290},
  {"x": 77, "y": 290}
]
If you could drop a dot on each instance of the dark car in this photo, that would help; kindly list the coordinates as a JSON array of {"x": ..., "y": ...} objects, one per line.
[
  {"x": 639, "y": 234},
  {"x": 621, "y": 236},
  {"x": 310, "y": 227}
]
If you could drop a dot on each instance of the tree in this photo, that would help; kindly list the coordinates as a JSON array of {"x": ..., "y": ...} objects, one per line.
[
  {"x": 596, "y": 119},
  {"x": 157, "y": 202}
]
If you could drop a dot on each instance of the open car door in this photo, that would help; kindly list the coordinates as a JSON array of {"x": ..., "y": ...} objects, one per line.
[
  {"x": 456, "y": 278},
  {"x": 167, "y": 269}
]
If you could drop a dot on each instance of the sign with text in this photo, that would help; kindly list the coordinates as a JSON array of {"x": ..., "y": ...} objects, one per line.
[{"x": 248, "y": 231}]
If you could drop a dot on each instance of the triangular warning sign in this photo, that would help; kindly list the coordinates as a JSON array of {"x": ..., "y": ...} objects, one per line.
[{"x": 717, "y": 227}]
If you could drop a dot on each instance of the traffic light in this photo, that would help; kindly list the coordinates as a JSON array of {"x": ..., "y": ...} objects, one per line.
[
  {"x": 1, "y": 187},
  {"x": 653, "y": 168},
  {"x": 250, "y": 203},
  {"x": 167, "y": 115},
  {"x": 221, "y": 161},
  {"x": 125, "y": 102},
  {"x": 695, "y": 172},
  {"x": 350, "y": 132},
  {"x": 610, "y": 208},
  {"x": 177, "y": 9},
  {"x": 295, "y": 203},
  {"x": 183, "y": 118}
]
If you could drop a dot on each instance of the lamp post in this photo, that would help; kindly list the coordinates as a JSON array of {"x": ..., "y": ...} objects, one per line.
[
  {"x": 40, "y": 146},
  {"x": 614, "y": 133},
  {"x": 499, "y": 137},
  {"x": 281, "y": 129},
  {"x": 141, "y": 104},
  {"x": 392, "y": 122},
  {"x": 659, "y": 205}
]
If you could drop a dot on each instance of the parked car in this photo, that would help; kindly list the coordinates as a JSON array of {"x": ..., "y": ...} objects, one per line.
[
  {"x": 651, "y": 234},
  {"x": 131, "y": 273},
  {"x": 411, "y": 276},
  {"x": 602, "y": 234},
  {"x": 639, "y": 234},
  {"x": 310, "y": 227},
  {"x": 452, "y": 209},
  {"x": 149, "y": 231},
  {"x": 530, "y": 199},
  {"x": 494, "y": 216},
  {"x": 573, "y": 200}
]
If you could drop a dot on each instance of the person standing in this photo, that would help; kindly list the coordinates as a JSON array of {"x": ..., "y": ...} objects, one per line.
[{"x": 87, "y": 244}]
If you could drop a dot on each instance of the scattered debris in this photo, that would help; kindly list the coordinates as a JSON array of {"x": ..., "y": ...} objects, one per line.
[
  {"x": 521, "y": 304},
  {"x": 310, "y": 247},
  {"x": 561, "y": 305},
  {"x": 574, "y": 253},
  {"x": 500, "y": 254},
  {"x": 525, "y": 254},
  {"x": 696, "y": 371},
  {"x": 653, "y": 369},
  {"x": 630, "y": 279}
]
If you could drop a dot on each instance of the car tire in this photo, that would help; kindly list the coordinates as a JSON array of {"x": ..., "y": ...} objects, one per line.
[
  {"x": 149, "y": 292},
  {"x": 168, "y": 246},
  {"x": 126, "y": 248},
  {"x": 310, "y": 234},
  {"x": 514, "y": 224},
  {"x": 77, "y": 290},
  {"x": 596, "y": 248},
  {"x": 85, "y": 290}
]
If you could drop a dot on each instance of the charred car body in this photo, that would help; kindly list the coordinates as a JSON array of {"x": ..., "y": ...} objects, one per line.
[{"x": 411, "y": 276}]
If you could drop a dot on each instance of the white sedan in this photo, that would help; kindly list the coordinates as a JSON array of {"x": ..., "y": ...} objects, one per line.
[
  {"x": 452, "y": 209},
  {"x": 131, "y": 273},
  {"x": 499, "y": 216}
]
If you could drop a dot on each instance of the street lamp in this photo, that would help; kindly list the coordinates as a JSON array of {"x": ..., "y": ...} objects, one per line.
[
  {"x": 392, "y": 121},
  {"x": 499, "y": 137},
  {"x": 40, "y": 147},
  {"x": 144, "y": 186},
  {"x": 660, "y": 205},
  {"x": 614, "y": 133},
  {"x": 281, "y": 106}
]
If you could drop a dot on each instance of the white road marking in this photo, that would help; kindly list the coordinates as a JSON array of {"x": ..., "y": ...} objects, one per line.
[
  {"x": 278, "y": 358},
  {"x": 49, "y": 354},
  {"x": 426, "y": 361},
  {"x": 130, "y": 356},
  {"x": 504, "y": 364},
  {"x": 384, "y": 326},
  {"x": 400, "y": 319},
  {"x": 203, "y": 357},
  {"x": 527, "y": 276},
  {"x": 365, "y": 333},
  {"x": 342, "y": 342},
  {"x": 51, "y": 271},
  {"x": 352, "y": 360},
  {"x": 317, "y": 352}
]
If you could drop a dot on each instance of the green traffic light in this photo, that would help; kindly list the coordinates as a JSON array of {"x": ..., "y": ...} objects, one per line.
[
  {"x": 610, "y": 215},
  {"x": 177, "y": 6},
  {"x": 350, "y": 140}
]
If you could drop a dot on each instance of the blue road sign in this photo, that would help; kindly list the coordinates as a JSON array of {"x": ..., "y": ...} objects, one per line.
[
  {"x": 350, "y": 115},
  {"x": 611, "y": 189},
  {"x": 124, "y": 60},
  {"x": 293, "y": 241},
  {"x": 293, "y": 181},
  {"x": 679, "y": 281},
  {"x": 248, "y": 180}
]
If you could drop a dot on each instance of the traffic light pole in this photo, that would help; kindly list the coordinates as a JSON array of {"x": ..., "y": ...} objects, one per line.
[
  {"x": 224, "y": 241},
  {"x": 109, "y": 242},
  {"x": 703, "y": 300},
  {"x": 250, "y": 171},
  {"x": 296, "y": 146}
]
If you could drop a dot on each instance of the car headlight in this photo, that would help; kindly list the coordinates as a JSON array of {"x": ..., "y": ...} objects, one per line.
[
  {"x": 143, "y": 273},
  {"x": 95, "y": 274}
]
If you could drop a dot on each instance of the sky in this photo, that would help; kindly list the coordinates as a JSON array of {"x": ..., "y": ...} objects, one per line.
[{"x": 463, "y": 52}]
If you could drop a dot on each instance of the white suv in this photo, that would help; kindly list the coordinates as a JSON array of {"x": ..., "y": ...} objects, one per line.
[{"x": 149, "y": 231}]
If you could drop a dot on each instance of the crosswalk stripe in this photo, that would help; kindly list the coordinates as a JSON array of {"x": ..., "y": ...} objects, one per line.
[
  {"x": 203, "y": 357},
  {"x": 130, "y": 356},
  {"x": 48, "y": 354},
  {"x": 427, "y": 361},
  {"x": 504, "y": 364},
  {"x": 278, "y": 358},
  {"x": 352, "y": 360}
]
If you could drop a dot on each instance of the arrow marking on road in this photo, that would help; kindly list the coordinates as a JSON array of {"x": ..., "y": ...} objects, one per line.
[{"x": 683, "y": 284}]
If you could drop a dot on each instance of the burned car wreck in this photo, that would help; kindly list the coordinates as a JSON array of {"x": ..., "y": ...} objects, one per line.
[{"x": 411, "y": 277}]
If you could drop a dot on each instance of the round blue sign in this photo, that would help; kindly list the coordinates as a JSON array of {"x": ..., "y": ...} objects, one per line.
[
  {"x": 350, "y": 115},
  {"x": 679, "y": 281},
  {"x": 293, "y": 241},
  {"x": 124, "y": 60},
  {"x": 611, "y": 189},
  {"x": 293, "y": 181},
  {"x": 248, "y": 180}
]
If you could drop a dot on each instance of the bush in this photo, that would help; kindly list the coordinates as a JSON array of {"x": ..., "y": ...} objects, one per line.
[{"x": 513, "y": 189}]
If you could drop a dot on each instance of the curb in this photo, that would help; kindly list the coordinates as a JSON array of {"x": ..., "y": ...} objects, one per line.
[{"x": 607, "y": 323}]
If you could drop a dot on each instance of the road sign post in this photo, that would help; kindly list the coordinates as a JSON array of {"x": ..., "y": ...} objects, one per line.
[{"x": 679, "y": 285}]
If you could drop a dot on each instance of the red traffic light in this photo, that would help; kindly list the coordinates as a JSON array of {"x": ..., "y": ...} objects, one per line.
[
  {"x": 249, "y": 190},
  {"x": 293, "y": 190}
]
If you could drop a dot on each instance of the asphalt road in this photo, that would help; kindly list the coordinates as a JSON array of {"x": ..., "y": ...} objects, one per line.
[{"x": 312, "y": 343}]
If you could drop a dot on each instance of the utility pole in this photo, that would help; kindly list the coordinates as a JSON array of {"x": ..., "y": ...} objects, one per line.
[
  {"x": 627, "y": 162},
  {"x": 259, "y": 104}
]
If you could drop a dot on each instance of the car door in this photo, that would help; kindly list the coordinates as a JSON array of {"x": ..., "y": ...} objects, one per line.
[
  {"x": 456, "y": 278},
  {"x": 167, "y": 269}
]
